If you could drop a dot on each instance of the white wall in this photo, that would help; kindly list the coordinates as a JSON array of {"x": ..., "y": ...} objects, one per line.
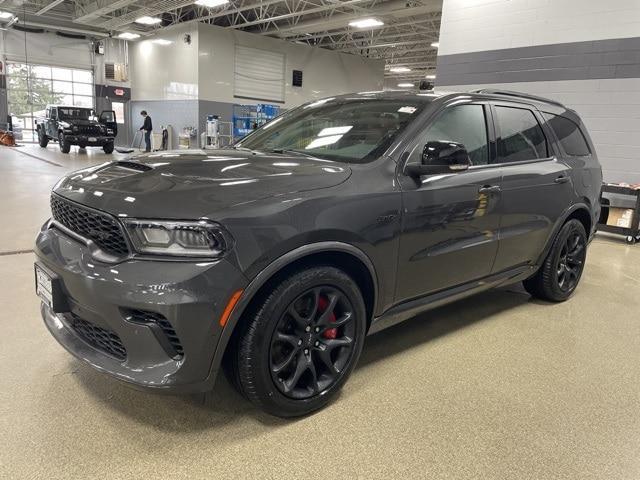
[
  {"x": 165, "y": 72},
  {"x": 325, "y": 72},
  {"x": 582, "y": 53},
  {"x": 477, "y": 25},
  {"x": 204, "y": 70}
]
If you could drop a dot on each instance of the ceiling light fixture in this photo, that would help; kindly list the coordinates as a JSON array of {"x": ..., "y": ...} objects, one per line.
[
  {"x": 366, "y": 23},
  {"x": 405, "y": 85},
  {"x": 149, "y": 20},
  {"x": 399, "y": 69},
  {"x": 435, "y": 44},
  {"x": 5, "y": 15},
  {"x": 128, "y": 36},
  {"x": 430, "y": 77},
  {"x": 211, "y": 3},
  {"x": 161, "y": 41}
]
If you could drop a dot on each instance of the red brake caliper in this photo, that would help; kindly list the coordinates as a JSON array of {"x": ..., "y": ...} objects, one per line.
[{"x": 331, "y": 333}]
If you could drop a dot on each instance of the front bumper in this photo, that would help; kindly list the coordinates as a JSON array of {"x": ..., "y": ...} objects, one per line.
[
  {"x": 189, "y": 295},
  {"x": 88, "y": 140}
]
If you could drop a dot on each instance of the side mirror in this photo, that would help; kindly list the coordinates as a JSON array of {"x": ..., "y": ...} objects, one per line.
[{"x": 441, "y": 157}]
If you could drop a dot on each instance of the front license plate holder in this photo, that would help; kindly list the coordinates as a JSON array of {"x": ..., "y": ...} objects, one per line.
[
  {"x": 49, "y": 289},
  {"x": 92, "y": 139}
]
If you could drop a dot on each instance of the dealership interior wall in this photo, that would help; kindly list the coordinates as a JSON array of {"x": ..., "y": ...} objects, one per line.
[{"x": 499, "y": 385}]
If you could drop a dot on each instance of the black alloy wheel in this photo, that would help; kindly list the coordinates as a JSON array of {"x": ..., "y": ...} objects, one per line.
[
  {"x": 312, "y": 342},
  {"x": 299, "y": 341},
  {"x": 560, "y": 273},
  {"x": 571, "y": 261}
]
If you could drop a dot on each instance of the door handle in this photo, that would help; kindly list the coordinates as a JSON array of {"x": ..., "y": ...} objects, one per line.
[
  {"x": 562, "y": 179},
  {"x": 489, "y": 189}
]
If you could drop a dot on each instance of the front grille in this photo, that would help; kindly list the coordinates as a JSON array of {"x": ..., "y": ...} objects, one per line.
[
  {"x": 144, "y": 317},
  {"x": 100, "y": 338},
  {"x": 103, "y": 229},
  {"x": 89, "y": 130}
]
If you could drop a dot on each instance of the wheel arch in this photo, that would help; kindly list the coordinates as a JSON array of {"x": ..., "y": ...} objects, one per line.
[
  {"x": 580, "y": 211},
  {"x": 345, "y": 256}
]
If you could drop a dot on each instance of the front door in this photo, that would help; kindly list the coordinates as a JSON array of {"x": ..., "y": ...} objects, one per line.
[
  {"x": 536, "y": 186},
  {"x": 450, "y": 222},
  {"x": 108, "y": 118}
]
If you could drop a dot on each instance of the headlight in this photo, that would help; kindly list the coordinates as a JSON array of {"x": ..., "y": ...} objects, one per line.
[
  {"x": 192, "y": 239},
  {"x": 109, "y": 131},
  {"x": 75, "y": 128}
]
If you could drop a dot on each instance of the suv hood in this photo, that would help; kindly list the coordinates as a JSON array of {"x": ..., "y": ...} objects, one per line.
[{"x": 193, "y": 184}]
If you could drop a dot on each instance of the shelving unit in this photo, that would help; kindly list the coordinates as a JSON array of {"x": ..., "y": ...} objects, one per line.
[{"x": 631, "y": 233}]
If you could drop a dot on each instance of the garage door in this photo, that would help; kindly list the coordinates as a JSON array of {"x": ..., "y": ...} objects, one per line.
[
  {"x": 259, "y": 74},
  {"x": 30, "y": 88}
]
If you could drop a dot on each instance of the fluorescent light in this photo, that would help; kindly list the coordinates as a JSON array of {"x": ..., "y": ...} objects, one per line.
[
  {"x": 435, "y": 44},
  {"x": 211, "y": 3},
  {"x": 128, "y": 36},
  {"x": 430, "y": 77},
  {"x": 366, "y": 23},
  {"x": 148, "y": 20},
  {"x": 161, "y": 41},
  {"x": 405, "y": 85},
  {"x": 5, "y": 15},
  {"x": 399, "y": 69}
]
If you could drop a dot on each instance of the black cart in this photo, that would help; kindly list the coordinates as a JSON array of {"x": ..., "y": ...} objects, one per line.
[{"x": 632, "y": 233}]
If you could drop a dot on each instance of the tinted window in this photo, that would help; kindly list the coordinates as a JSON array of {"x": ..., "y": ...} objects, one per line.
[
  {"x": 352, "y": 130},
  {"x": 463, "y": 124},
  {"x": 521, "y": 136},
  {"x": 569, "y": 134}
]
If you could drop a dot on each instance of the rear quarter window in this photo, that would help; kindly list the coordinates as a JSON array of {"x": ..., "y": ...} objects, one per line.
[{"x": 569, "y": 134}]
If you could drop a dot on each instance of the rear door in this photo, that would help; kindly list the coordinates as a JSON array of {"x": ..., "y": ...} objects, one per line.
[
  {"x": 450, "y": 222},
  {"x": 108, "y": 118},
  {"x": 536, "y": 185}
]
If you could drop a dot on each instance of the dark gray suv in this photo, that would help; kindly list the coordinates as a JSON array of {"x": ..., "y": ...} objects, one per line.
[{"x": 346, "y": 215}]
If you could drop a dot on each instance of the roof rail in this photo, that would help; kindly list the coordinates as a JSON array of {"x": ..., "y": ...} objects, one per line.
[{"x": 509, "y": 93}]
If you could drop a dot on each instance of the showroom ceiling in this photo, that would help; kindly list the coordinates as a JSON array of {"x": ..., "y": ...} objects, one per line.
[{"x": 399, "y": 31}]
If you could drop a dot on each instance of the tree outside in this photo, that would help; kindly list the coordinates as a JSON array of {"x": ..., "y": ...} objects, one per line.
[{"x": 27, "y": 91}]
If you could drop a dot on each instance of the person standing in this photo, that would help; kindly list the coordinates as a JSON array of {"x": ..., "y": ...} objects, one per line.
[{"x": 147, "y": 127}]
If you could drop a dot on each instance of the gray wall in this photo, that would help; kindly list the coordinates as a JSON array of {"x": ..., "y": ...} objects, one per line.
[
  {"x": 177, "y": 113},
  {"x": 585, "y": 54}
]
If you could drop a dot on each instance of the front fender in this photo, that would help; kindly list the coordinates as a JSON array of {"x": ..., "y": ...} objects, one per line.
[{"x": 267, "y": 273}]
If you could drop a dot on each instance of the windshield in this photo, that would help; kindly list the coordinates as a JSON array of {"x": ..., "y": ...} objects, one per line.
[
  {"x": 353, "y": 131},
  {"x": 75, "y": 113}
]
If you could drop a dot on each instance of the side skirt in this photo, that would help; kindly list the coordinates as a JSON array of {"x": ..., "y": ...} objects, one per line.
[{"x": 411, "y": 308}]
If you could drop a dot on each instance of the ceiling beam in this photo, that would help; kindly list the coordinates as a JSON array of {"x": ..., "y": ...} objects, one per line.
[
  {"x": 48, "y": 7},
  {"x": 101, "y": 8}
]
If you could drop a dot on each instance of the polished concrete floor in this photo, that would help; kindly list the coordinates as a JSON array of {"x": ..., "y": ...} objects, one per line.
[{"x": 495, "y": 387}]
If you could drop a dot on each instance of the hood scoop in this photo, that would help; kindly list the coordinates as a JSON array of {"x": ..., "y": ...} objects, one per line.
[{"x": 119, "y": 170}]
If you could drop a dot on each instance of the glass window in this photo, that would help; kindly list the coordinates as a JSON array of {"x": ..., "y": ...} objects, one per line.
[
  {"x": 62, "y": 87},
  {"x": 82, "y": 89},
  {"x": 569, "y": 134},
  {"x": 463, "y": 124},
  {"x": 62, "y": 74},
  {"x": 39, "y": 71},
  {"x": 352, "y": 130},
  {"x": 83, "y": 76},
  {"x": 521, "y": 137}
]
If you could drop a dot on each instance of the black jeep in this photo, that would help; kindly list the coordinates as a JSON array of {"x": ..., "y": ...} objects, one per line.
[{"x": 77, "y": 126}]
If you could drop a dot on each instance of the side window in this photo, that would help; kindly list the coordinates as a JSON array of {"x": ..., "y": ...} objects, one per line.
[
  {"x": 569, "y": 134},
  {"x": 54, "y": 113},
  {"x": 521, "y": 137},
  {"x": 465, "y": 124}
]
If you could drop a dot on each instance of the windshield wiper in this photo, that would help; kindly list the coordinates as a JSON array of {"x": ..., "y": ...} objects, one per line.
[{"x": 287, "y": 150}]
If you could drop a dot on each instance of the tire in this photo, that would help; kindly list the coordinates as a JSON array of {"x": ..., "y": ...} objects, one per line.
[
  {"x": 289, "y": 359},
  {"x": 108, "y": 148},
  {"x": 43, "y": 139},
  {"x": 65, "y": 147},
  {"x": 561, "y": 271}
]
